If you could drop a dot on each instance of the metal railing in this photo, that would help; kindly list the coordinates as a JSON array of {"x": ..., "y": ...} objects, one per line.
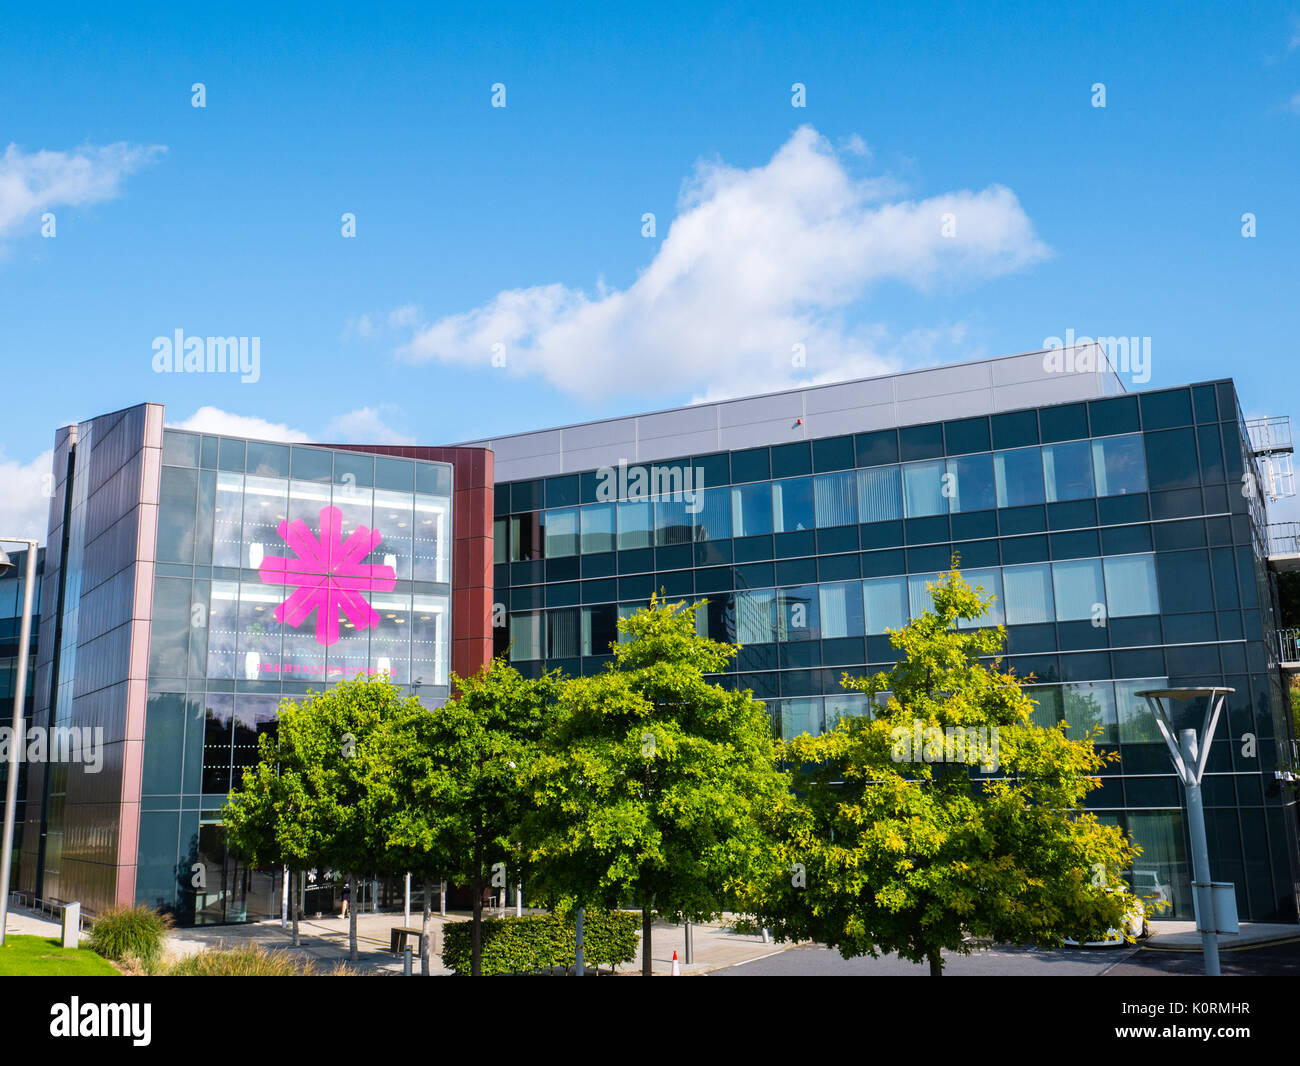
[
  {"x": 1270, "y": 434},
  {"x": 1284, "y": 538},
  {"x": 51, "y": 908},
  {"x": 1288, "y": 645}
]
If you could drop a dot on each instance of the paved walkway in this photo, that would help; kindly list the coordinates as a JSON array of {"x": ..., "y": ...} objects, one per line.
[
  {"x": 326, "y": 939},
  {"x": 23, "y": 923},
  {"x": 1182, "y": 936}
]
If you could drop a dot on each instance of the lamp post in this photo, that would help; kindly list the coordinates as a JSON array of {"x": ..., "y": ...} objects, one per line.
[
  {"x": 15, "y": 740},
  {"x": 1190, "y": 753}
]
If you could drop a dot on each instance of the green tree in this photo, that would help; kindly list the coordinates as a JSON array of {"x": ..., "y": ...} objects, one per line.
[
  {"x": 456, "y": 774},
  {"x": 310, "y": 799},
  {"x": 947, "y": 815},
  {"x": 648, "y": 782}
]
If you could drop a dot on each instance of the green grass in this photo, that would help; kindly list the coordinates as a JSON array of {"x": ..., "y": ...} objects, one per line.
[{"x": 38, "y": 956}]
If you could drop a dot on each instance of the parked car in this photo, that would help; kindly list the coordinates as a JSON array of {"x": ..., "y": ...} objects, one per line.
[
  {"x": 1135, "y": 926},
  {"x": 1147, "y": 885}
]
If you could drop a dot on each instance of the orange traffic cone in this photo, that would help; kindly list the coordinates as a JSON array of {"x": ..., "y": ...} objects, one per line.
[{"x": 677, "y": 970}]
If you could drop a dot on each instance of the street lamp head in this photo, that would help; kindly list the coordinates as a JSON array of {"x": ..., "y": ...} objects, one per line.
[{"x": 6, "y": 564}]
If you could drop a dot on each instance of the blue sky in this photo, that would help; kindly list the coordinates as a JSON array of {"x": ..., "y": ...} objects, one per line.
[{"x": 522, "y": 225}]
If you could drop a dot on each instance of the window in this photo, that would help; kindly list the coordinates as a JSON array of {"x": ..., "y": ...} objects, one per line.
[
  {"x": 597, "y": 528},
  {"x": 836, "y": 499},
  {"x": 1118, "y": 465},
  {"x": 918, "y": 595},
  {"x": 1028, "y": 591},
  {"x": 756, "y": 616},
  {"x": 634, "y": 524},
  {"x": 880, "y": 494},
  {"x": 561, "y": 533},
  {"x": 801, "y": 716},
  {"x": 970, "y": 483},
  {"x": 526, "y": 636},
  {"x": 562, "y": 633},
  {"x": 792, "y": 504},
  {"x": 500, "y": 541},
  {"x": 1137, "y": 725},
  {"x": 798, "y": 613},
  {"x": 841, "y": 610},
  {"x": 751, "y": 509},
  {"x": 1067, "y": 471},
  {"x": 884, "y": 600},
  {"x": 1131, "y": 585},
  {"x": 525, "y": 537},
  {"x": 1078, "y": 587},
  {"x": 1049, "y": 709},
  {"x": 1088, "y": 705},
  {"x": 923, "y": 489},
  {"x": 1019, "y": 476},
  {"x": 990, "y": 580},
  {"x": 714, "y": 519},
  {"x": 672, "y": 521},
  {"x": 599, "y": 629},
  {"x": 845, "y": 705}
]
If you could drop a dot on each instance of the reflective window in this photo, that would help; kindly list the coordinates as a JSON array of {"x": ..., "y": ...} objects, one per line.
[
  {"x": 395, "y": 519},
  {"x": 634, "y": 524},
  {"x": 673, "y": 521},
  {"x": 845, "y": 705},
  {"x": 970, "y": 484},
  {"x": 500, "y": 541},
  {"x": 713, "y": 520},
  {"x": 1028, "y": 591},
  {"x": 598, "y": 528},
  {"x": 1118, "y": 465},
  {"x": 799, "y": 716},
  {"x": 923, "y": 488},
  {"x": 176, "y": 511},
  {"x": 525, "y": 537},
  {"x": 1137, "y": 725},
  {"x": 1131, "y": 585},
  {"x": 1019, "y": 476},
  {"x": 1067, "y": 471},
  {"x": 841, "y": 610},
  {"x": 561, "y": 532},
  {"x": 563, "y": 634},
  {"x": 918, "y": 592},
  {"x": 756, "y": 616},
  {"x": 836, "y": 499},
  {"x": 1077, "y": 584},
  {"x": 988, "y": 583},
  {"x": 798, "y": 614},
  {"x": 266, "y": 505},
  {"x": 432, "y": 539},
  {"x": 885, "y": 602},
  {"x": 751, "y": 509},
  {"x": 792, "y": 505},
  {"x": 430, "y": 620},
  {"x": 1088, "y": 705},
  {"x": 526, "y": 636},
  {"x": 880, "y": 494}
]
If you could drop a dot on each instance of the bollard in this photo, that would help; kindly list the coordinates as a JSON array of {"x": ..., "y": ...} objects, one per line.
[
  {"x": 407, "y": 962},
  {"x": 72, "y": 925}
]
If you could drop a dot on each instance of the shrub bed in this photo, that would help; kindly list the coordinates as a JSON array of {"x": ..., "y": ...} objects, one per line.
[{"x": 122, "y": 933}]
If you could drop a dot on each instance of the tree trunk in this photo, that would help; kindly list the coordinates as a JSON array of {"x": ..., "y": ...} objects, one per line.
[
  {"x": 936, "y": 963},
  {"x": 295, "y": 904},
  {"x": 647, "y": 922},
  {"x": 476, "y": 932},
  {"x": 352, "y": 919},
  {"x": 426, "y": 950}
]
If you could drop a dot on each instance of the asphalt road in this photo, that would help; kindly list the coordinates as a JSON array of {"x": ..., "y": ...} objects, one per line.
[{"x": 1267, "y": 960}]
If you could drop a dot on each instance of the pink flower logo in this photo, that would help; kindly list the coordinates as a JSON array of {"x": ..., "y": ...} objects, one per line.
[{"x": 328, "y": 575}]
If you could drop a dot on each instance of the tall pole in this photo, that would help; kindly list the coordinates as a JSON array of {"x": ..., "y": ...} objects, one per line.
[
  {"x": 1200, "y": 858},
  {"x": 16, "y": 736},
  {"x": 580, "y": 967}
]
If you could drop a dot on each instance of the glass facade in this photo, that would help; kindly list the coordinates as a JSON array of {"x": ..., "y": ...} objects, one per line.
[
  {"x": 12, "y": 583},
  {"x": 1119, "y": 536},
  {"x": 280, "y": 569}
]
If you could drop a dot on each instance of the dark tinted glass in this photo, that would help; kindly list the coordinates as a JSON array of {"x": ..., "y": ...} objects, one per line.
[
  {"x": 1116, "y": 415},
  {"x": 1163, "y": 410},
  {"x": 752, "y": 465},
  {"x": 920, "y": 442},
  {"x": 790, "y": 460},
  {"x": 1015, "y": 429},
  {"x": 563, "y": 491},
  {"x": 1066, "y": 422},
  {"x": 834, "y": 453},
  {"x": 876, "y": 449},
  {"x": 968, "y": 435},
  {"x": 1171, "y": 459}
]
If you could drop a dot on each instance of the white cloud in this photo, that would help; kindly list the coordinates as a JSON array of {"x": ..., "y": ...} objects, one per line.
[
  {"x": 756, "y": 262},
  {"x": 366, "y": 425},
  {"x": 215, "y": 420},
  {"x": 25, "y": 496},
  {"x": 34, "y": 182}
]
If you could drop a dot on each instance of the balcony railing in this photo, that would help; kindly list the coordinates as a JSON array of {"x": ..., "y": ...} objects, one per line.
[
  {"x": 1288, "y": 646},
  {"x": 1270, "y": 434},
  {"x": 1284, "y": 538}
]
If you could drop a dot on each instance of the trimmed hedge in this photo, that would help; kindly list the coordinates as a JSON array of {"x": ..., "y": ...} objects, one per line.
[{"x": 540, "y": 942}]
